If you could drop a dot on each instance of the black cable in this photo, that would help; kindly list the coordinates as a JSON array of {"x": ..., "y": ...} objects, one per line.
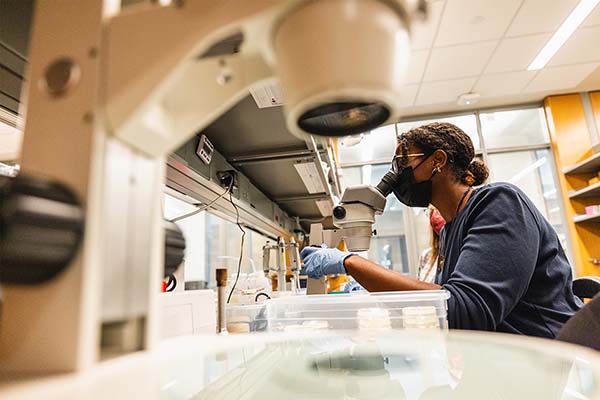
[
  {"x": 237, "y": 221},
  {"x": 171, "y": 283},
  {"x": 261, "y": 294}
]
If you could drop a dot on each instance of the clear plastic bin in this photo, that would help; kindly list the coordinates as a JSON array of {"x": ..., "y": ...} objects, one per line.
[
  {"x": 360, "y": 311},
  {"x": 246, "y": 318}
]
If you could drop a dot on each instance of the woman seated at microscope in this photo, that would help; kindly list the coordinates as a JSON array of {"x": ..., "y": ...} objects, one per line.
[{"x": 499, "y": 258}]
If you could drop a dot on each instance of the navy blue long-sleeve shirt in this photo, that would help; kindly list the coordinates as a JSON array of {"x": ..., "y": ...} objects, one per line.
[{"x": 504, "y": 266}]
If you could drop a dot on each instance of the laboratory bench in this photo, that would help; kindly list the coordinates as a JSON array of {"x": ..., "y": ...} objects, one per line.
[{"x": 410, "y": 364}]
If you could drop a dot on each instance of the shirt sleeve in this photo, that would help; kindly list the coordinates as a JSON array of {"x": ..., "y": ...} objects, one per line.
[{"x": 496, "y": 262}]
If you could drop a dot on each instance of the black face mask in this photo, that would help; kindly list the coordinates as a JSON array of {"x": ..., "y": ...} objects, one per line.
[{"x": 409, "y": 191}]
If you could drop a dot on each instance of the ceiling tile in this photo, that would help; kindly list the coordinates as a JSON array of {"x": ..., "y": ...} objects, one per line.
[
  {"x": 503, "y": 84},
  {"x": 594, "y": 18},
  {"x": 422, "y": 33},
  {"x": 516, "y": 54},
  {"x": 458, "y": 61},
  {"x": 559, "y": 78},
  {"x": 467, "y": 21},
  {"x": 583, "y": 46},
  {"x": 444, "y": 91},
  {"x": 409, "y": 93},
  {"x": 540, "y": 16},
  {"x": 416, "y": 67}
]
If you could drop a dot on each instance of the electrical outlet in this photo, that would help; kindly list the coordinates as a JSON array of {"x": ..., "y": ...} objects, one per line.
[{"x": 225, "y": 178}]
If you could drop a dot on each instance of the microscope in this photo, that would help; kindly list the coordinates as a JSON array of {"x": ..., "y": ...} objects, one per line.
[
  {"x": 353, "y": 217},
  {"x": 356, "y": 212},
  {"x": 111, "y": 95}
]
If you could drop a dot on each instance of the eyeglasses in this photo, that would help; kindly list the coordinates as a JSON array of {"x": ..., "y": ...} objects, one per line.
[{"x": 399, "y": 162}]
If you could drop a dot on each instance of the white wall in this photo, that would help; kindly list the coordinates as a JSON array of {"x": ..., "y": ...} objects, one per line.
[{"x": 194, "y": 230}]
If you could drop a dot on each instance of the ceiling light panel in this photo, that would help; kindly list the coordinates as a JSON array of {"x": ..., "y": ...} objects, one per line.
[
  {"x": 515, "y": 54},
  {"x": 325, "y": 207},
  {"x": 564, "y": 32},
  {"x": 582, "y": 47},
  {"x": 540, "y": 16},
  {"x": 466, "y": 21},
  {"x": 310, "y": 177}
]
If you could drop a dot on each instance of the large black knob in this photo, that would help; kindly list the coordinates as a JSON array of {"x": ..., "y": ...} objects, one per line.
[
  {"x": 339, "y": 212},
  {"x": 174, "y": 247},
  {"x": 41, "y": 228}
]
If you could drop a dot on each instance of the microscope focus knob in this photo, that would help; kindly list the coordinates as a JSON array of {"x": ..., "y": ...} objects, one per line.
[
  {"x": 41, "y": 228},
  {"x": 174, "y": 247},
  {"x": 339, "y": 212}
]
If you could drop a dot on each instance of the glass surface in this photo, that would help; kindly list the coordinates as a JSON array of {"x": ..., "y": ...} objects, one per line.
[
  {"x": 532, "y": 172},
  {"x": 418, "y": 364},
  {"x": 379, "y": 144},
  {"x": 468, "y": 123},
  {"x": 514, "y": 128}
]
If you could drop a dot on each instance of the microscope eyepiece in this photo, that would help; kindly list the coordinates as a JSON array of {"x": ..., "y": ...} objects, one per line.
[{"x": 387, "y": 183}]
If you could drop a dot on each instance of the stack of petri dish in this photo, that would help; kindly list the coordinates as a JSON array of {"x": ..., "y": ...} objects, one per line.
[{"x": 420, "y": 318}]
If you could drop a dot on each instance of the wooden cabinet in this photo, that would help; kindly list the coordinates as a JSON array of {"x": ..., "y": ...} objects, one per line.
[{"x": 577, "y": 165}]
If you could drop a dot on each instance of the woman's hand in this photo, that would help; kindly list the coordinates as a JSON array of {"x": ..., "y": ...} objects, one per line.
[{"x": 320, "y": 261}]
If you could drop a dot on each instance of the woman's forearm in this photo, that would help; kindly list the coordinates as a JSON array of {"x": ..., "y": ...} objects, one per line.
[{"x": 376, "y": 278}]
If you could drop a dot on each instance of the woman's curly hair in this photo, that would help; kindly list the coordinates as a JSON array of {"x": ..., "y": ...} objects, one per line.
[{"x": 457, "y": 145}]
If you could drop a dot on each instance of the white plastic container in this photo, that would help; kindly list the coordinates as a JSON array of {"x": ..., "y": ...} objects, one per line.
[
  {"x": 246, "y": 318},
  {"x": 360, "y": 311}
]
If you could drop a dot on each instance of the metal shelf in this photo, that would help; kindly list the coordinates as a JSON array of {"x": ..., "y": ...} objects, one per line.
[
  {"x": 588, "y": 191},
  {"x": 587, "y": 166},
  {"x": 586, "y": 218}
]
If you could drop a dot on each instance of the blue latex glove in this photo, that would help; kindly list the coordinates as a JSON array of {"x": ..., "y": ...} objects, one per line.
[
  {"x": 320, "y": 261},
  {"x": 353, "y": 286}
]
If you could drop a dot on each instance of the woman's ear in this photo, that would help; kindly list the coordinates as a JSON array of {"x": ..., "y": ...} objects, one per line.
[
  {"x": 440, "y": 159},
  {"x": 398, "y": 151}
]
